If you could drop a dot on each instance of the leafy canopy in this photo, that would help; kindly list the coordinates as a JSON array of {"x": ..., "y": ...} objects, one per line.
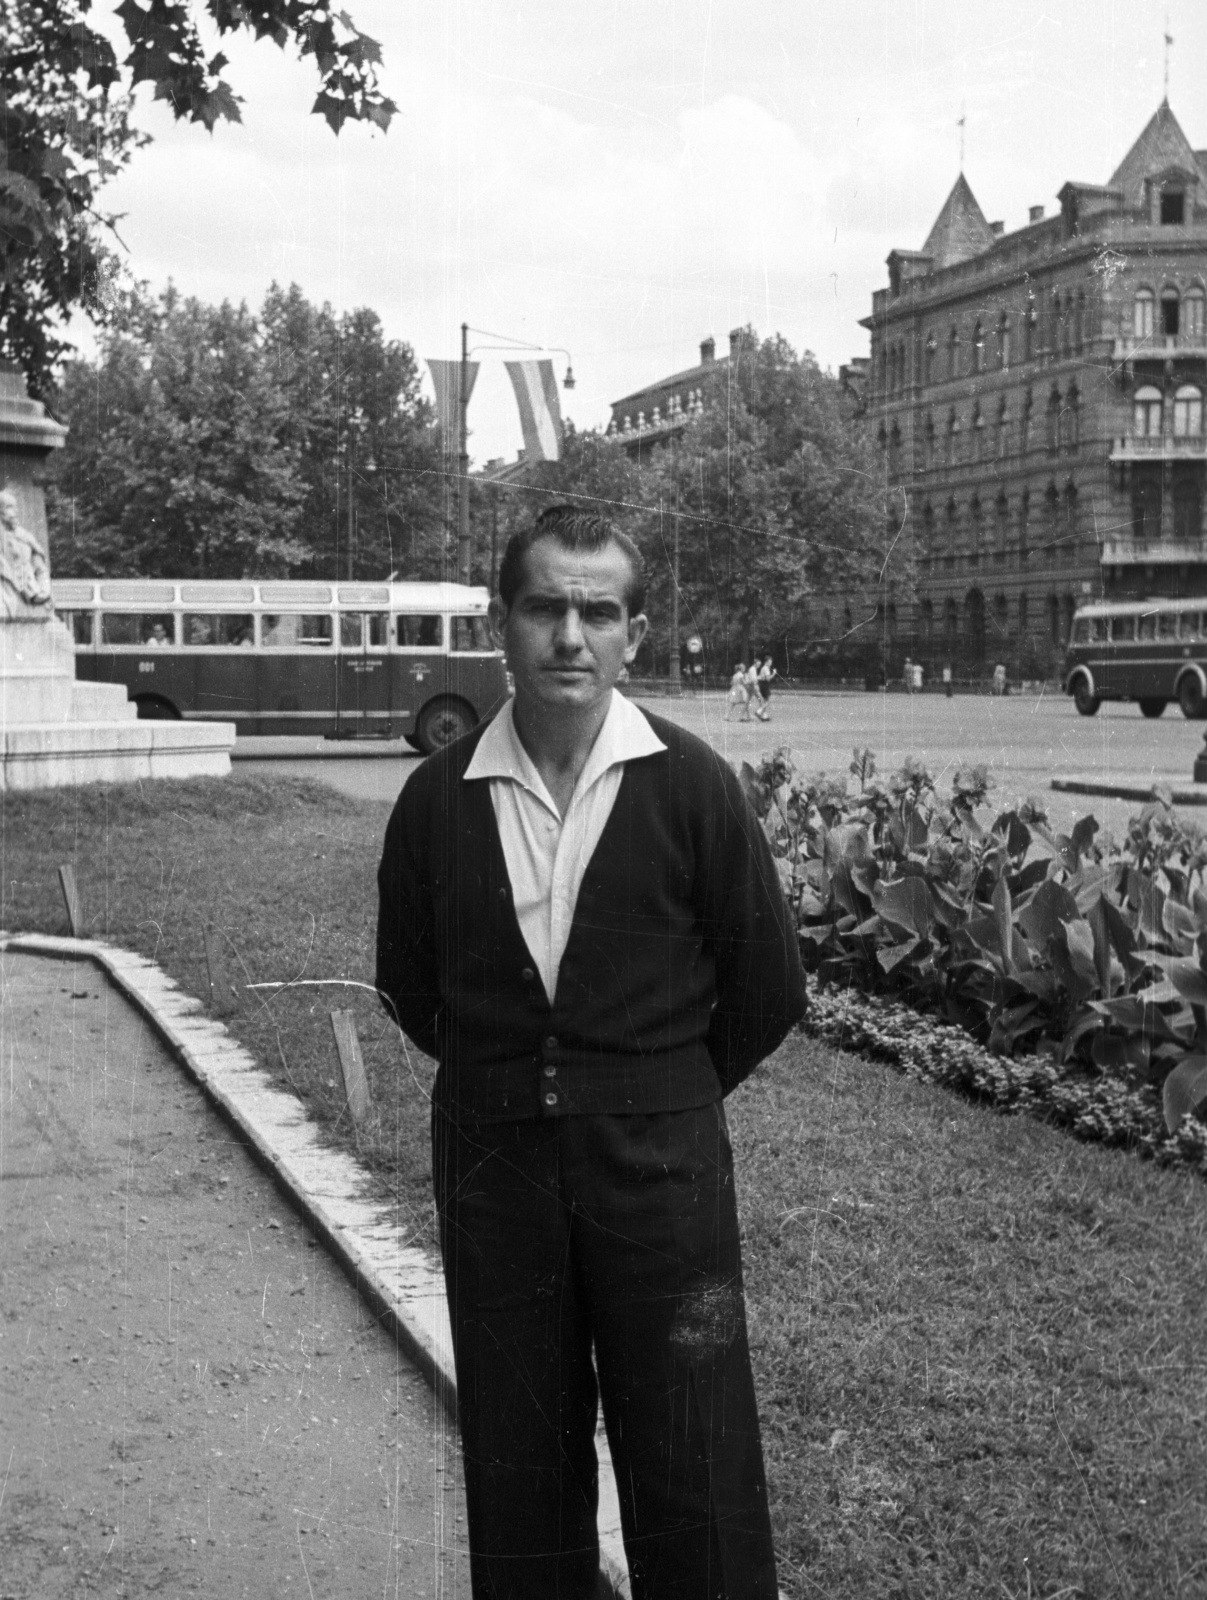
[{"x": 65, "y": 129}]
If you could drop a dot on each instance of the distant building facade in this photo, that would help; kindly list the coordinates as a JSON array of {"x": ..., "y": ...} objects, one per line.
[
  {"x": 654, "y": 415},
  {"x": 1038, "y": 397}
]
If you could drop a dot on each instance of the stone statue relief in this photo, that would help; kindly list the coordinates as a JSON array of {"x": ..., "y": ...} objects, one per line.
[{"x": 24, "y": 569}]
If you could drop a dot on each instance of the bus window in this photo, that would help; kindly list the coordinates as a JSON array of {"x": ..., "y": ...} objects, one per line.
[
  {"x": 471, "y": 634},
  {"x": 1167, "y": 625},
  {"x": 218, "y": 629},
  {"x": 417, "y": 633},
  {"x": 1081, "y": 631},
  {"x": 294, "y": 630},
  {"x": 152, "y": 630},
  {"x": 1146, "y": 625},
  {"x": 1188, "y": 625},
  {"x": 360, "y": 627},
  {"x": 80, "y": 623},
  {"x": 1101, "y": 627},
  {"x": 1123, "y": 628}
]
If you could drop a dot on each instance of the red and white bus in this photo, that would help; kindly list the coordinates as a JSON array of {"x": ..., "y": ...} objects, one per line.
[{"x": 345, "y": 660}]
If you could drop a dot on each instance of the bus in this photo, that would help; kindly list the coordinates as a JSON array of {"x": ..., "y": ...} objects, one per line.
[
  {"x": 341, "y": 660},
  {"x": 1149, "y": 651}
]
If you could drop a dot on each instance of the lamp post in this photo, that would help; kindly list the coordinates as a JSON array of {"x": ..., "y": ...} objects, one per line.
[{"x": 463, "y": 539}]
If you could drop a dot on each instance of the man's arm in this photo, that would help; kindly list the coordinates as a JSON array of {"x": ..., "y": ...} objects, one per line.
[
  {"x": 760, "y": 984},
  {"x": 407, "y": 972}
]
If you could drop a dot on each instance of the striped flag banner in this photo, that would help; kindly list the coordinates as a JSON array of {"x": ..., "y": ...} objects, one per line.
[
  {"x": 446, "y": 379},
  {"x": 540, "y": 414}
]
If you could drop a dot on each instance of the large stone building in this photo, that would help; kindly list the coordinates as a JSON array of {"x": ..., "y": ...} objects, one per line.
[
  {"x": 651, "y": 417},
  {"x": 1038, "y": 397}
]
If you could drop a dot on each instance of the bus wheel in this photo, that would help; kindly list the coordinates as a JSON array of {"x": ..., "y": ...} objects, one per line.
[
  {"x": 1191, "y": 698},
  {"x": 1084, "y": 699},
  {"x": 1151, "y": 706},
  {"x": 441, "y": 722},
  {"x": 152, "y": 709}
]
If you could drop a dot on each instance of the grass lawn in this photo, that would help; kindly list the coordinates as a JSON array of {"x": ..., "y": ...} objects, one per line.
[{"x": 979, "y": 1345}]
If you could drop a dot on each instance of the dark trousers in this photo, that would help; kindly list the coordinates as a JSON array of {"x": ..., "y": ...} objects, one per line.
[{"x": 588, "y": 1258}]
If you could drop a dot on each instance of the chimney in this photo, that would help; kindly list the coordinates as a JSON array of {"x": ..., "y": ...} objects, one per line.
[
  {"x": 997, "y": 229},
  {"x": 1035, "y": 214},
  {"x": 708, "y": 351}
]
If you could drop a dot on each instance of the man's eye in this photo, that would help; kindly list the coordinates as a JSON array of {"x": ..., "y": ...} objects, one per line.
[{"x": 601, "y": 614}]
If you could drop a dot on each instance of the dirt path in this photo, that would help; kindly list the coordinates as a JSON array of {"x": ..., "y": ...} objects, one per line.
[{"x": 193, "y": 1399}]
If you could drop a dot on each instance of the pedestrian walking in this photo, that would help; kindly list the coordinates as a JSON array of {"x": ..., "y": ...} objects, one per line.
[
  {"x": 739, "y": 694},
  {"x": 754, "y": 689},
  {"x": 767, "y": 675},
  {"x": 580, "y": 918}
]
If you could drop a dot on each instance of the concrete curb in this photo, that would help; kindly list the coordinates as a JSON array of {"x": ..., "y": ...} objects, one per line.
[
  {"x": 330, "y": 1187},
  {"x": 1185, "y": 791}
]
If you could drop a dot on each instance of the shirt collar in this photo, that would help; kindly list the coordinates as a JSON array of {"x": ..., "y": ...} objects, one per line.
[{"x": 624, "y": 736}]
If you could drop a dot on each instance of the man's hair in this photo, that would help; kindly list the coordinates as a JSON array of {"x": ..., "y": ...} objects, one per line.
[{"x": 573, "y": 529}]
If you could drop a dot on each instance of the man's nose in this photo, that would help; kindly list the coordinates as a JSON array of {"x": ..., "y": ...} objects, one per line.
[{"x": 570, "y": 630}]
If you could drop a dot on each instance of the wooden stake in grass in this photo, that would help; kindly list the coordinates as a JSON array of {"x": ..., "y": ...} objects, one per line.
[
  {"x": 71, "y": 899},
  {"x": 356, "y": 1085},
  {"x": 224, "y": 997}
]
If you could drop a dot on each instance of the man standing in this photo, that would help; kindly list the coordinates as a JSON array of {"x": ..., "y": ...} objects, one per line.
[{"x": 581, "y": 920}]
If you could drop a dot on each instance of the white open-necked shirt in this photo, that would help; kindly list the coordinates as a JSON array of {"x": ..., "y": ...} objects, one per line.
[{"x": 547, "y": 854}]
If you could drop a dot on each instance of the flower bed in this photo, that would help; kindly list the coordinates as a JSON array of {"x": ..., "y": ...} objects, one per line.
[{"x": 1057, "y": 973}]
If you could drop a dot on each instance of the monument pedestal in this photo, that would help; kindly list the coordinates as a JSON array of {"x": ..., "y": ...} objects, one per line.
[{"x": 54, "y": 730}]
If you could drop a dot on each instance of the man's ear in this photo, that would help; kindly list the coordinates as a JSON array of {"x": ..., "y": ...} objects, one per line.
[
  {"x": 497, "y": 615},
  {"x": 638, "y": 627}
]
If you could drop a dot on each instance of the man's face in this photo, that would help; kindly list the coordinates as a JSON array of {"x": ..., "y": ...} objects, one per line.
[{"x": 568, "y": 632}]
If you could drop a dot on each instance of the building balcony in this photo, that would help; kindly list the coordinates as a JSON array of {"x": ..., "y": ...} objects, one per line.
[
  {"x": 1159, "y": 346},
  {"x": 1153, "y": 552},
  {"x": 1165, "y": 447}
]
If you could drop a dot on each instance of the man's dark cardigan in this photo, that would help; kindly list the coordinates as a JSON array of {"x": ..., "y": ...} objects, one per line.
[{"x": 681, "y": 971}]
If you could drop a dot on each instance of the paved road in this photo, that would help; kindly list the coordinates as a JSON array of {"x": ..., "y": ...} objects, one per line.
[
  {"x": 1025, "y": 741},
  {"x": 193, "y": 1399}
]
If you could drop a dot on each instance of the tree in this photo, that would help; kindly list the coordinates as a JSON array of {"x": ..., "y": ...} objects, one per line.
[
  {"x": 64, "y": 129},
  {"x": 777, "y": 496},
  {"x": 367, "y": 454},
  {"x": 180, "y": 461}
]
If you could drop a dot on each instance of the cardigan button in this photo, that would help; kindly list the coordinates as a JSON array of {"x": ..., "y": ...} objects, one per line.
[
  {"x": 528, "y": 974},
  {"x": 551, "y": 1042},
  {"x": 502, "y": 894},
  {"x": 551, "y": 1099},
  {"x": 550, "y": 1070}
]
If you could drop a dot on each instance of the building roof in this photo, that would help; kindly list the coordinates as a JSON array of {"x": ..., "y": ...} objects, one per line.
[
  {"x": 1162, "y": 145},
  {"x": 706, "y": 370},
  {"x": 960, "y": 231}
]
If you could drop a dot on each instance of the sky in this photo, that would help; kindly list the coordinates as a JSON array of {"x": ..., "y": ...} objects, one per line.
[{"x": 623, "y": 180}]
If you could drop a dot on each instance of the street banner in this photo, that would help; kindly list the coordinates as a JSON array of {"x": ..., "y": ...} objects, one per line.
[
  {"x": 540, "y": 414},
  {"x": 446, "y": 378}
]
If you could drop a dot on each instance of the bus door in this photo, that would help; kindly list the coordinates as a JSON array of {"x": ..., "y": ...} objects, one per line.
[
  {"x": 218, "y": 664},
  {"x": 296, "y": 677},
  {"x": 417, "y": 665},
  {"x": 364, "y": 707}
]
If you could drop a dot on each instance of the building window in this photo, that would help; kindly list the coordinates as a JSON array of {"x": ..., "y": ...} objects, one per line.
[
  {"x": 1146, "y": 504},
  {"x": 1001, "y": 439},
  {"x": 928, "y": 531},
  {"x": 1024, "y": 423},
  {"x": 1053, "y": 422},
  {"x": 1188, "y": 412},
  {"x": 1070, "y": 514},
  {"x": 1146, "y": 412},
  {"x": 1054, "y": 619},
  {"x": 1001, "y": 623},
  {"x": 1052, "y": 520},
  {"x": 928, "y": 358},
  {"x": 1024, "y": 512},
  {"x": 1030, "y": 321},
  {"x": 978, "y": 348},
  {"x": 927, "y": 619},
  {"x": 976, "y": 526},
  {"x": 951, "y": 533},
  {"x": 1001, "y": 517},
  {"x": 951, "y": 627},
  {"x": 1003, "y": 342},
  {"x": 1070, "y": 421},
  {"x": 1169, "y": 311},
  {"x": 1142, "y": 314},
  {"x": 1173, "y": 208},
  {"x": 894, "y": 454},
  {"x": 1066, "y": 326},
  {"x": 1054, "y": 323},
  {"x": 1023, "y": 619},
  {"x": 953, "y": 352},
  {"x": 1192, "y": 316},
  {"x": 952, "y": 445},
  {"x": 1080, "y": 330},
  {"x": 978, "y": 434},
  {"x": 1187, "y": 509},
  {"x": 928, "y": 441}
]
